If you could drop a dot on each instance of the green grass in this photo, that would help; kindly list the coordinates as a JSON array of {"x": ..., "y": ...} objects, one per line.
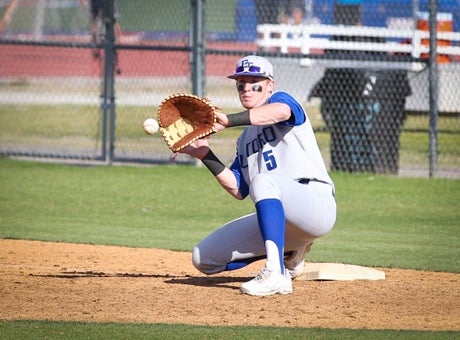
[
  {"x": 53, "y": 122},
  {"x": 136, "y": 206},
  {"x": 78, "y": 126},
  {"x": 76, "y": 330},
  {"x": 395, "y": 222},
  {"x": 132, "y": 19},
  {"x": 382, "y": 221},
  {"x": 154, "y": 16}
]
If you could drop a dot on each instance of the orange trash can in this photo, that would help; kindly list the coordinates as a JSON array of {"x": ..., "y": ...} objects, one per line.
[{"x": 444, "y": 23}]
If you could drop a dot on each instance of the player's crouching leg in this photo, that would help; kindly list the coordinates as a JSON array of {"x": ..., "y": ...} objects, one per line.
[{"x": 204, "y": 265}]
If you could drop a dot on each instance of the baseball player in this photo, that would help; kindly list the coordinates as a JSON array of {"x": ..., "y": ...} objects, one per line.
[{"x": 279, "y": 166}]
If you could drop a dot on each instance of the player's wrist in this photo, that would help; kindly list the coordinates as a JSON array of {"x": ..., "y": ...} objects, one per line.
[
  {"x": 239, "y": 119},
  {"x": 213, "y": 163}
]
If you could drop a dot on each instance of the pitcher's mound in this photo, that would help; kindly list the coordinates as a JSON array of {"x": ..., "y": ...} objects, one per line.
[{"x": 339, "y": 272}]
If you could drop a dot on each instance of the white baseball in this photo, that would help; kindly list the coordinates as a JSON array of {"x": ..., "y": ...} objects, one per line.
[{"x": 150, "y": 126}]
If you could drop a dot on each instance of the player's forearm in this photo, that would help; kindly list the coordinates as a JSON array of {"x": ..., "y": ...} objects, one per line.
[
  {"x": 262, "y": 115},
  {"x": 270, "y": 114},
  {"x": 227, "y": 180},
  {"x": 223, "y": 175}
]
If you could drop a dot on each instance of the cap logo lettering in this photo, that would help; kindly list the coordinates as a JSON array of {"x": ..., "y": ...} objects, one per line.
[{"x": 246, "y": 64}]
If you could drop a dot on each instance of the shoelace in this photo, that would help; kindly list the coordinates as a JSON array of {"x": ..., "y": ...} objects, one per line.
[{"x": 262, "y": 274}]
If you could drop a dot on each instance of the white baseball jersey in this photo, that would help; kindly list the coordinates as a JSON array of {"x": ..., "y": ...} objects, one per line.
[
  {"x": 287, "y": 149},
  {"x": 269, "y": 160}
]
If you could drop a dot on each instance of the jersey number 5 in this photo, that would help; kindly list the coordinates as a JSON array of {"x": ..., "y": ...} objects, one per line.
[{"x": 270, "y": 161}]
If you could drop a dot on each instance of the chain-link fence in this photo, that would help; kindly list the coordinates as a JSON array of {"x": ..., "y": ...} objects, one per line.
[{"x": 78, "y": 77}]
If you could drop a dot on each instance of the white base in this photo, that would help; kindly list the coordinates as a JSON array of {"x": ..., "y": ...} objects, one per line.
[{"x": 339, "y": 272}]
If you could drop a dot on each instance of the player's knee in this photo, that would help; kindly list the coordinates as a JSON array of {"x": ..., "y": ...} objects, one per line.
[
  {"x": 196, "y": 258},
  {"x": 203, "y": 264},
  {"x": 264, "y": 186}
]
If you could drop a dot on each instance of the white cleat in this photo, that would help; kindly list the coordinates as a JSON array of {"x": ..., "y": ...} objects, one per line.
[
  {"x": 295, "y": 263},
  {"x": 268, "y": 282}
]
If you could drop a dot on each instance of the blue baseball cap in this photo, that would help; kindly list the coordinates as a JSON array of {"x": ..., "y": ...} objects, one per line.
[{"x": 253, "y": 65}]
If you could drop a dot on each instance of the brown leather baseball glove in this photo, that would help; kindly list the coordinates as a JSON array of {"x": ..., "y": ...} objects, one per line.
[{"x": 184, "y": 118}]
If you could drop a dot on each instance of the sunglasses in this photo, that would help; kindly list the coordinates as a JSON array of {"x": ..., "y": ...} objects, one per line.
[{"x": 250, "y": 69}]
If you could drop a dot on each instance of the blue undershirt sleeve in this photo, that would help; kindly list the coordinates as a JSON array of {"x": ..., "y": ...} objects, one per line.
[
  {"x": 298, "y": 115},
  {"x": 242, "y": 185}
]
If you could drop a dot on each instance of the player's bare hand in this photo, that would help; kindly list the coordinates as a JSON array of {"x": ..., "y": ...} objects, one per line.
[
  {"x": 221, "y": 121},
  {"x": 197, "y": 149}
]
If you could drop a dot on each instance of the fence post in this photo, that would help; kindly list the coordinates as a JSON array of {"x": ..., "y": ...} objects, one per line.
[
  {"x": 197, "y": 42},
  {"x": 108, "y": 94},
  {"x": 197, "y": 56},
  {"x": 433, "y": 89}
]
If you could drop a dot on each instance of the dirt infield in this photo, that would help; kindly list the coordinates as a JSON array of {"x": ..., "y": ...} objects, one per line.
[{"x": 58, "y": 281}]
